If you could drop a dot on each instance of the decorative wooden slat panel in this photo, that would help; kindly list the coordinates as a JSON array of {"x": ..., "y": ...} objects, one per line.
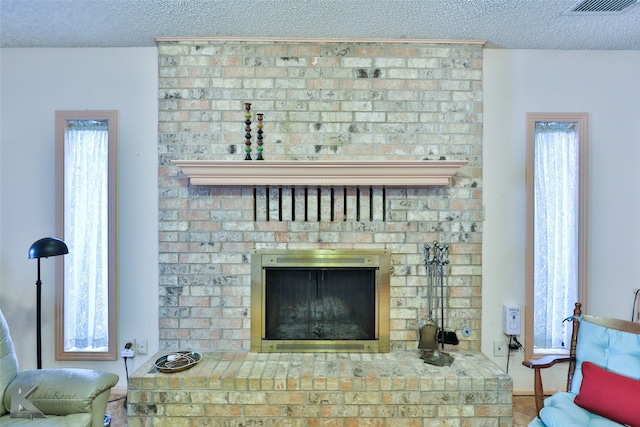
[{"x": 327, "y": 204}]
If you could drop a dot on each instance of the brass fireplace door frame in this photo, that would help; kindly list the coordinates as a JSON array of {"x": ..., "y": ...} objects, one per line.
[{"x": 320, "y": 258}]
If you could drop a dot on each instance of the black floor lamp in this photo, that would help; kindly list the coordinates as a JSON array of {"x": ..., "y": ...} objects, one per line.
[{"x": 44, "y": 248}]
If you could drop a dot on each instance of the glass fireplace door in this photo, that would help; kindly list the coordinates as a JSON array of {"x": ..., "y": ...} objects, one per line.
[
  {"x": 320, "y": 300},
  {"x": 320, "y": 303}
]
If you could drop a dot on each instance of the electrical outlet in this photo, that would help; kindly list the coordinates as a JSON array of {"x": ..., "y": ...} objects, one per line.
[
  {"x": 142, "y": 346},
  {"x": 499, "y": 348},
  {"x": 128, "y": 348}
]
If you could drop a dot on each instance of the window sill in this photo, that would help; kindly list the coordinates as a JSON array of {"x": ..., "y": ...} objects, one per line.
[{"x": 542, "y": 352}]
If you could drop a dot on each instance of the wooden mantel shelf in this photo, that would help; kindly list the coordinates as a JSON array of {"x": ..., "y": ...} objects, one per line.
[{"x": 401, "y": 173}]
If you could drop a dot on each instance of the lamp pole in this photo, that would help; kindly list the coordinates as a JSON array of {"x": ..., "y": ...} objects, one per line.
[
  {"x": 39, "y": 317},
  {"x": 43, "y": 248}
]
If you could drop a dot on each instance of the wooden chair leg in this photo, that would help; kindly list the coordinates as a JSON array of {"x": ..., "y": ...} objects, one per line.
[{"x": 537, "y": 386}]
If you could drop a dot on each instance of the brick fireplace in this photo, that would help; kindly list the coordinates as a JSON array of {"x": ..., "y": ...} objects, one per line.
[{"x": 322, "y": 101}]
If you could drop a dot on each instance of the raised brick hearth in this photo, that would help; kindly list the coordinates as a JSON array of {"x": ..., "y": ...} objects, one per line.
[{"x": 323, "y": 389}]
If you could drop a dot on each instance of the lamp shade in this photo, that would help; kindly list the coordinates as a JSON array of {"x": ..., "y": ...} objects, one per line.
[{"x": 48, "y": 246}]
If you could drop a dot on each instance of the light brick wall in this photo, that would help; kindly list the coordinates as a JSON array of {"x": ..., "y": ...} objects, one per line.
[{"x": 321, "y": 101}]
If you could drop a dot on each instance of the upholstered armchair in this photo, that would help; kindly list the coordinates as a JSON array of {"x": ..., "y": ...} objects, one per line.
[
  {"x": 67, "y": 397},
  {"x": 603, "y": 384}
]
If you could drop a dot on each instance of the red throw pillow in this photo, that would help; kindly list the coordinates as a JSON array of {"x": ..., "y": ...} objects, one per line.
[{"x": 610, "y": 395}]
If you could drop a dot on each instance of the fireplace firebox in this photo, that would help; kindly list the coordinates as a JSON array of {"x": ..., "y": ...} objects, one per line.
[{"x": 320, "y": 301}]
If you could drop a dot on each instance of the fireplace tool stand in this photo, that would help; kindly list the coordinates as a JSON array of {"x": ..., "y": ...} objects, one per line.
[{"x": 436, "y": 257}]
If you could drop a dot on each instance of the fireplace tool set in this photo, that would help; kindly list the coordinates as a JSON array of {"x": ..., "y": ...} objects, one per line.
[{"x": 436, "y": 257}]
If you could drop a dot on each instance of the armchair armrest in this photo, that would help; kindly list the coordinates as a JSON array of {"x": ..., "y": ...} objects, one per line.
[
  {"x": 62, "y": 391},
  {"x": 537, "y": 365},
  {"x": 545, "y": 362}
]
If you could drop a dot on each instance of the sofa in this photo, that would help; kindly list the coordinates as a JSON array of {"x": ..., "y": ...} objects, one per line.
[
  {"x": 603, "y": 382},
  {"x": 66, "y": 397}
]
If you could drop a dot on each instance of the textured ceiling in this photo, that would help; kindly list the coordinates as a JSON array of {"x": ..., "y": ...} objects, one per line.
[{"x": 512, "y": 24}]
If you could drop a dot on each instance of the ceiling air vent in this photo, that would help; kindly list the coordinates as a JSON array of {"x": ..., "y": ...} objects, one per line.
[{"x": 597, "y": 7}]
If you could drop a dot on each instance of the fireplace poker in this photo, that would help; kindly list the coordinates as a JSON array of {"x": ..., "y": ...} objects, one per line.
[
  {"x": 429, "y": 331},
  {"x": 434, "y": 264}
]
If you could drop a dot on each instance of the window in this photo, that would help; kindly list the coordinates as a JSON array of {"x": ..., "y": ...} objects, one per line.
[
  {"x": 86, "y": 218},
  {"x": 556, "y": 228}
]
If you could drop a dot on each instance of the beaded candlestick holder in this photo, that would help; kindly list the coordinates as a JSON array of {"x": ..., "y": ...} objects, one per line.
[
  {"x": 260, "y": 148},
  {"x": 247, "y": 129}
]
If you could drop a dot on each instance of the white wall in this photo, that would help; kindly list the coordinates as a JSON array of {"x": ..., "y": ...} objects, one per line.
[
  {"x": 605, "y": 85},
  {"x": 34, "y": 84}
]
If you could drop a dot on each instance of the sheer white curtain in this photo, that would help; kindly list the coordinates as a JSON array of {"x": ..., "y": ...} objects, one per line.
[
  {"x": 556, "y": 232},
  {"x": 86, "y": 234}
]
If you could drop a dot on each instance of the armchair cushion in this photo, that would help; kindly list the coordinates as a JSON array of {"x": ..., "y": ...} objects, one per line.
[
  {"x": 560, "y": 410},
  {"x": 8, "y": 359},
  {"x": 614, "y": 350},
  {"x": 62, "y": 391},
  {"x": 599, "y": 385}
]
